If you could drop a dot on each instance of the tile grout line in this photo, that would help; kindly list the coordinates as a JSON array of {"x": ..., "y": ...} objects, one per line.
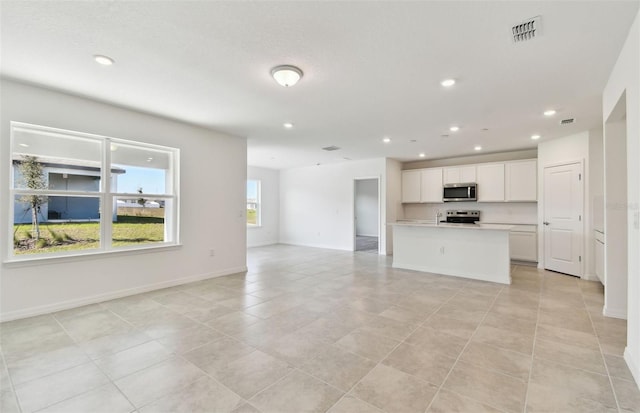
[
  {"x": 400, "y": 342},
  {"x": 602, "y": 354},
  {"x": 463, "y": 350},
  {"x": 420, "y": 325},
  {"x": 11, "y": 385},
  {"x": 92, "y": 362},
  {"x": 535, "y": 340}
]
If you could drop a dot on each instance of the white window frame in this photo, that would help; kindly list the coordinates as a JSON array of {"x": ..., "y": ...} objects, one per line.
[
  {"x": 258, "y": 223},
  {"x": 105, "y": 195}
]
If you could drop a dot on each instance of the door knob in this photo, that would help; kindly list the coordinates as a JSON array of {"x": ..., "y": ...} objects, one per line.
[{"x": 546, "y": 223}]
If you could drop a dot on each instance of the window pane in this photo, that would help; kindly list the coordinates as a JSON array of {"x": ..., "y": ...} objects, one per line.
[
  {"x": 253, "y": 202},
  {"x": 139, "y": 221},
  {"x": 64, "y": 223},
  {"x": 139, "y": 170},
  {"x": 57, "y": 154}
]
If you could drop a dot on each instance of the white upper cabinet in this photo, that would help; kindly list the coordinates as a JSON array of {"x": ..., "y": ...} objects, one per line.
[
  {"x": 490, "y": 179},
  {"x": 431, "y": 185},
  {"x": 460, "y": 174},
  {"x": 521, "y": 181},
  {"x": 411, "y": 185}
]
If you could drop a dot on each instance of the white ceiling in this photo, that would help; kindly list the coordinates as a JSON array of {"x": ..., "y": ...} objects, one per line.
[{"x": 371, "y": 69}]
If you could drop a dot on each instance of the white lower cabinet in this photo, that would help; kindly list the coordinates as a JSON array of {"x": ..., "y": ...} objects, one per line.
[{"x": 523, "y": 243}]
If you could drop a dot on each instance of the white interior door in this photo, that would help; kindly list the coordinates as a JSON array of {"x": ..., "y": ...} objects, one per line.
[{"x": 563, "y": 226}]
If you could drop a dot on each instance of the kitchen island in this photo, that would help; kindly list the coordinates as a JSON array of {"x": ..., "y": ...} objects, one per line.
[{"x": 477, "y": 251}]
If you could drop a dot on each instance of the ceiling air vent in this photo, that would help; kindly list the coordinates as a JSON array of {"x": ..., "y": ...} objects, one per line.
[
  {"x": 330, "y": 148},
  {"x": 527, "y": 30},
  {"x": 567, "y": 121}
]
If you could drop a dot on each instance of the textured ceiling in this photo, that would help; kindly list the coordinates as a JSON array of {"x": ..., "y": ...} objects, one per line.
[{"x": 371, "y": 69}]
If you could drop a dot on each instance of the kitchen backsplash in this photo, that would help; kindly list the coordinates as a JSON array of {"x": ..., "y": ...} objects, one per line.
[{"x": 508, "y": 213}]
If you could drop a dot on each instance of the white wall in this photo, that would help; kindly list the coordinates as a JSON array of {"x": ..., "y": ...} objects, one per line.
[
  {"x": 616, "y": 217},
  {"x": 572, "y": 148},
  {"x": 212, "y": 207},
  {"x": 268, "y": 231},
  {"x": 367, "y": 219},
  {"x": 316, "y": 203},
  {"x": 625, "y": 79},
  {"x": 394, "y": 210}
]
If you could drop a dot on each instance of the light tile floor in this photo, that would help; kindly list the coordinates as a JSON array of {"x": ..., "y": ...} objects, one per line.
[{"x": 312, "y": 330}]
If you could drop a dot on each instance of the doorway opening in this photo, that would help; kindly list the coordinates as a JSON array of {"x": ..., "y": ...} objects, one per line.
[{"x": 366, "y": 215}]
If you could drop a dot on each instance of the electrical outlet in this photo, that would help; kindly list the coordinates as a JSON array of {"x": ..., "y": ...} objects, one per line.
[
  {"x": 212, "y": 252},
  {"x": 442, "y": 250}
]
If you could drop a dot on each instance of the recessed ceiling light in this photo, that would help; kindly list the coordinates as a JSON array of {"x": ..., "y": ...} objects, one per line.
[
  {"x": 454, "y": 128},
  {"x": 103, "y": 60},
  {"x": 535, "y": 137},
  {"x": 422, "y": 155},
  {"x": 448, "y": 82},
  {"x": 288, "y": 125},
  {"x": 286, "y": 75},
  {"x": 386, "y": 140},
  {"x": 549, "y": 112},
  {"x": 478, "y": 148},
  {"x": 149, "y": 159},
  {"x": 24, "y": 145}
]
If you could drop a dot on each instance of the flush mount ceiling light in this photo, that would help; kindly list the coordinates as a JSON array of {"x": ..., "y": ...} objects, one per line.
[
  {"x": 288, "y": 125},
  {"x": 24, "y": 145},
  {"x": 386, "y": 140},
  {"x": 103, "y": 60},
  {"x": 549, "y": 112},
  {"x": 448, "y": 82},
  {"x": 286, "y": 75},
  {"x": 422, "y": 155},
  {"x": 478, "y": 148},
  {"x": 454, "y": 128},
  {"x": 535, "y": 137}
]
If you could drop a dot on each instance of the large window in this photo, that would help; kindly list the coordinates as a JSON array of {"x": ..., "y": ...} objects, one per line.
[
  {"x": 253, "y": 203},
  {"x": 75, "y": 193}
]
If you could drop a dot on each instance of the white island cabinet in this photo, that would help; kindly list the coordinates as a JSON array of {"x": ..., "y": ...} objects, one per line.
[{"x": 477, "y": 251}]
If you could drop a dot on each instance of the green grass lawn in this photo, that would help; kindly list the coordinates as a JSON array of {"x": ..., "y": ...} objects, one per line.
[
  {"x": 71, "y": 236},
  {"x": 252, "y": 217}
]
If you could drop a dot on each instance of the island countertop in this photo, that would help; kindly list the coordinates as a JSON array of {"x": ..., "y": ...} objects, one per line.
[
  {"x": 432, "y": 224},
  {"x": 476, "y": 251}
]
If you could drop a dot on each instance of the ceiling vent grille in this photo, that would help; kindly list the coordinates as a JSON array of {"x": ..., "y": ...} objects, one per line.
[
  {"x": 330, "y": 148},
  {"x": 527, "y": 30},
  {"x": 567, "y": 121}
]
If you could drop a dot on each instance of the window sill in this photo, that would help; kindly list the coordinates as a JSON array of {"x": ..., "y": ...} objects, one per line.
[
  {"x": 254, "y": 226},
  {"x": 25, "y": 262}
]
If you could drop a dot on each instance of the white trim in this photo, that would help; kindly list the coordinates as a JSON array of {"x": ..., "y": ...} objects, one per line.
[
  {"x": 311, "y": 245},
  {"x": 65, "y": 305},
  {"x": 615, "y": 312},
  {"x": 633, "y": 366}
]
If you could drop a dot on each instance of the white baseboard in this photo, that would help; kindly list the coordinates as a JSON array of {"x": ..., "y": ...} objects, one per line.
[
  {"x": 79, "y": 302},
  {"x": 311, "y": 245},
  {"x": 590, "y": 277},
  {"x": 633, "y": 366},
  {"x": 262, "y": 244},
  {"x": 615, "y": 312}
]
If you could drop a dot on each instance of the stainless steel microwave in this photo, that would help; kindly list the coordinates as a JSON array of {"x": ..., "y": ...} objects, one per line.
[{"x": 460, "y": 192}]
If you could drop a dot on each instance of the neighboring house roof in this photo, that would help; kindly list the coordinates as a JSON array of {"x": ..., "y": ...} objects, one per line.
[{"x": 79, "y": 165}]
